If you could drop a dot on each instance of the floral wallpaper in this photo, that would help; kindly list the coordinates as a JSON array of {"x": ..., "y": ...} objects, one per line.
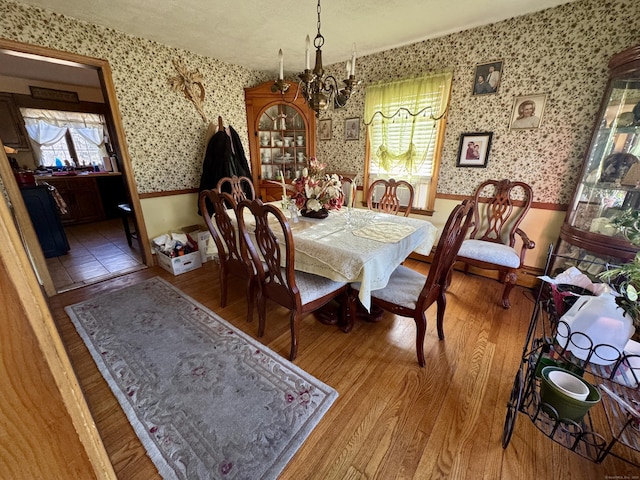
[
  {"x": 562, "y": 52},
  {"x": 165, "y": 134}
]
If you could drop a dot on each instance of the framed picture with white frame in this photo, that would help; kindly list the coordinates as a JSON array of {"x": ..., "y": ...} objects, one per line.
[{"x": 527, "y": 111}]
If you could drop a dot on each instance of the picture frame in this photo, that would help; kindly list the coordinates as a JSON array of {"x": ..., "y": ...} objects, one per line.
[
  {"x": 352, "y": 129},
  {"x": 527, "y": 111},
  {"x": 324, "y": 129},
  {"x": 474, "y": 149},
  {"x": 487, "y": 78}
]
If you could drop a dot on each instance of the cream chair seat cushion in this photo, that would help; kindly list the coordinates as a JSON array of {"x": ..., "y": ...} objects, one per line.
[
  {"x": 312, "y": 287},
  {"x": 490, "y": 252},
  {"x": 403, "y": 288}
]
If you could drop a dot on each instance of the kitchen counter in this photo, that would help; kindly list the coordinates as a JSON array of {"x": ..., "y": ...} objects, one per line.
[{"x": 90, "y": 196}]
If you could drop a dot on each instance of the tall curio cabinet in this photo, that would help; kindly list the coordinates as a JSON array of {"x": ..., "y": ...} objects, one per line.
[
  {"x": 282, "y": 137},
  {"x": 610, "y": 180}
]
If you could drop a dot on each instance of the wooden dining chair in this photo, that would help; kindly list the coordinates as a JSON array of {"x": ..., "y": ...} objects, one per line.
[
  {"x": 240, "y": 188},
  {"x": 409, "y": 293},
  {"x": 300, "y": 292},
  {"x": 501, "y": 205},
  {"x": 383, "y": 196},
  {"x": 233, "y": 256},
  {"x": 348, "y": 198}
]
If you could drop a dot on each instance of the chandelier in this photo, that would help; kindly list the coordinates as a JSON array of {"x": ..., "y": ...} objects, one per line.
[{"x": 318, "y": 90}]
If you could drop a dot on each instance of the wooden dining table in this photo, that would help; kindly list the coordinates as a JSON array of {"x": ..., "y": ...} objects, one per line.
[{"x": 357, "y": 245}]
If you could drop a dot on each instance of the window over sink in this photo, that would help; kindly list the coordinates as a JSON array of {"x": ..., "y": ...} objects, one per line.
[{"x": 62, "y": 138}]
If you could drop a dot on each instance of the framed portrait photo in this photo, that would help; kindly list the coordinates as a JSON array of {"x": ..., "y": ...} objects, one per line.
[
  {"x": 324, "y": 129},
  {"x": 527, "y": 111},
  {"x": 352, "y": 129},
  {"x": 474, "y": 149},
  {"x": 487, "y": 78}
]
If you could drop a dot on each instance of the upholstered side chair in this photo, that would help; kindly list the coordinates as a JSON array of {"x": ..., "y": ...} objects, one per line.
[
  {"x": 501, "y": 205},
  {"x": 300, "y": 292},
  {"x": 410, "y": 293},
  {"x": 389, "y": 201}
]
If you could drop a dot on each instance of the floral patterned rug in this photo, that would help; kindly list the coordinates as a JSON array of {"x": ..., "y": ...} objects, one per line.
[{"x": 206, "y": 400}]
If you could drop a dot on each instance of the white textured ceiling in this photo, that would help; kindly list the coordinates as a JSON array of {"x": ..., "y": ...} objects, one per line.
[{"x": 250, "y": 32}]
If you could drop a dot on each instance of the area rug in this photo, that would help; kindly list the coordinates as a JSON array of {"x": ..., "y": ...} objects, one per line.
[{"x": 206, "y": 400}]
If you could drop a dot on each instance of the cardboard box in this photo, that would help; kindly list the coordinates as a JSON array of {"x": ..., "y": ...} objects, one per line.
[
  {"x": 200, "y": 235},
  {"x": 178, "y": 265}
]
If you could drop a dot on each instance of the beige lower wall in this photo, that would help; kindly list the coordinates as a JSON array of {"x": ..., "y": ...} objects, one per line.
[{"x": 172, "y": 212}]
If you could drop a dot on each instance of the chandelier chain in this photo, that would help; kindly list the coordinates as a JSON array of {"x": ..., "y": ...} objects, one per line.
[
  {"x": 318, "y": 42},
  {"x": 320, "y": 91}
]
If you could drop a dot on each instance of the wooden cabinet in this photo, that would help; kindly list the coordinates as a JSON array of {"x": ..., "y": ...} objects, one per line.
[
  {"x": 12, "y": 131},
  {"x": 82, "y": 196},
  {"x": 282, "y": 136},
  {"x": 610, "y": 180}
]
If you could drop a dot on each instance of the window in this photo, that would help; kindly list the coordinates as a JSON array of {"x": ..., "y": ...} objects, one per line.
[
  {"x": 66, "y": 138},
  {"x": 405, "y": 122}
]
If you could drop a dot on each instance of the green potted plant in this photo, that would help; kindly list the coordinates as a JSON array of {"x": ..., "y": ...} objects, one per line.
[{"x": 625, "y": 279}]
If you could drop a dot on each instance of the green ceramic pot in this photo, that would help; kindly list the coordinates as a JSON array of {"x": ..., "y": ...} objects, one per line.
[
  {"x": 566, "y": 407},
  {"x": 544, "y": 362}
]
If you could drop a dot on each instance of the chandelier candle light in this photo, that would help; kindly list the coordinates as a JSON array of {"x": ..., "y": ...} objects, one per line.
[{"x": 317, "y": 89}]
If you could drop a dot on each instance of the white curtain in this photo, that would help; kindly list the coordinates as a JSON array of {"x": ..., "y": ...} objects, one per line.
[
  {"x": 42, "y": 133},
  {"x": 46, "y": 127},
  {"x": 94, "y": 135}
]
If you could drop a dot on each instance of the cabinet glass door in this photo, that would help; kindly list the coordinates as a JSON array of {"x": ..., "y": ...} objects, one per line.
[
  {"x": 283, "y": 142},
  {"x": 611, "y": 178}
]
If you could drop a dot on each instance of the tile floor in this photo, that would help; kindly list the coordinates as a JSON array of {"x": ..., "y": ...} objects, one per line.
[{"x": 98, "y": 251}]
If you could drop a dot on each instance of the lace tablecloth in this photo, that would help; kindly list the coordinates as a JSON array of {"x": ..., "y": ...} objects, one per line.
[{"x": 327, "y": 247}]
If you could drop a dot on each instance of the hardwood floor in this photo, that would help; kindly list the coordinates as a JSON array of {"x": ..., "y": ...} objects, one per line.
[{"x": 393, "y": 419}]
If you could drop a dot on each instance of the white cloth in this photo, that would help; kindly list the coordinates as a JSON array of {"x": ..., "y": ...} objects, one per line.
[
  {"x": 325, "y": 247},
  {"x": 385, "y": 232}
]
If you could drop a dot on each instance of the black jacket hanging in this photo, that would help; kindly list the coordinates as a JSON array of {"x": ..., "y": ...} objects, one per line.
[{"x": 224, "y": 158}]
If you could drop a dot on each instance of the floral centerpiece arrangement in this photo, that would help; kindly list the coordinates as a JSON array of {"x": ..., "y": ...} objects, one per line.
[{"x": 316, "y": 191}]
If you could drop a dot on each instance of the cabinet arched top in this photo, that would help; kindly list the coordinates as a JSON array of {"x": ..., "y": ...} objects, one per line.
[{"x": 282, "y": 134}]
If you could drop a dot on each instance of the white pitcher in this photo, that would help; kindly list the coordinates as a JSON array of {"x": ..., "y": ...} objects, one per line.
[{"x": 603, "y": 322}]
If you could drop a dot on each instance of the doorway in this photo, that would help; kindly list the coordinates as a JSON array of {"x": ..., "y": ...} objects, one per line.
[{"x": 31, "y": 66}]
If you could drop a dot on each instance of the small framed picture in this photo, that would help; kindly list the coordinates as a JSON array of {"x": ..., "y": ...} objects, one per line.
[
  {"x": 487, "y": 78},
  {"x": 474, "y": 149},
  {"x": 527, "y": 111},
  {"x": 352, "y": 129},
  {"x": 324, "y": 129}
]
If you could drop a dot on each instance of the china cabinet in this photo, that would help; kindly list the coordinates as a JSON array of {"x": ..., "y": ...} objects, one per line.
[
  {"x": 610, "y": 180},
  {"x": 281, "y": 137}
]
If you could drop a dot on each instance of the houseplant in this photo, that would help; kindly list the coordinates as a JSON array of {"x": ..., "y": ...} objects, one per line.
[
  {"x": 316, "y": 191},
  {"x": 625, "y": 279}
]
